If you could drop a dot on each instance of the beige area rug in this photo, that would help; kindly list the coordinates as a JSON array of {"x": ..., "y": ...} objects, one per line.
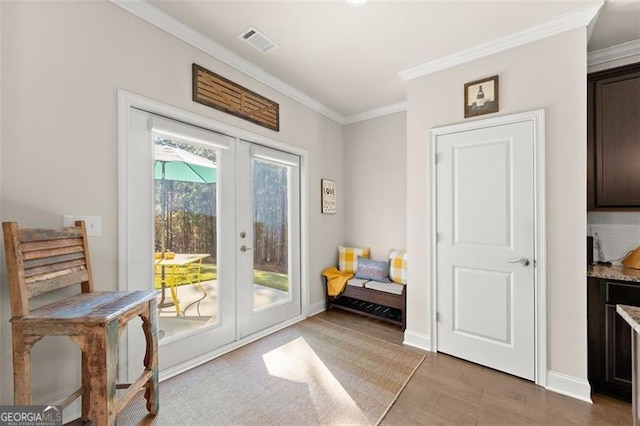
[{"x": 313, "y": 372}]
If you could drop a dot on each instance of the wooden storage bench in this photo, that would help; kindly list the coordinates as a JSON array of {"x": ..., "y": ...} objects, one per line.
[{"x": 385, "y": 306}]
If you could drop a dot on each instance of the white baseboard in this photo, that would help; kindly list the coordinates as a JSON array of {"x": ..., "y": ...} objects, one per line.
[
  {"x": 556, "y": 382},
  {"x": 316, "y": 308},
  {"x": 568, "y": 385},
  {"x": 417, "y": 340}
]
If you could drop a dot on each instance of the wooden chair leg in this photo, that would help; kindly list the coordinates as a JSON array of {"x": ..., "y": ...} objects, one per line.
[
  {"x": 150, "y": 328},
  {"x": 86, "y": 385},
  {"x": 21, "y": 366},
  {"x": 100, "y": 371}
]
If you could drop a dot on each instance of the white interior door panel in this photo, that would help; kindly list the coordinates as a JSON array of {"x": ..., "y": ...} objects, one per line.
[{"x": 485, "y": 249}]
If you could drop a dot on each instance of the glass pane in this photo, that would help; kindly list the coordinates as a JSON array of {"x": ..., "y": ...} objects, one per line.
[
  {"x": 271, "y": 234},
  {"x": 185, "y": 261}
]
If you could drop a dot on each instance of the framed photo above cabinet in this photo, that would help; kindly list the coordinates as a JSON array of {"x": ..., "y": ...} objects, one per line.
[{"x": 613, "y": 139}]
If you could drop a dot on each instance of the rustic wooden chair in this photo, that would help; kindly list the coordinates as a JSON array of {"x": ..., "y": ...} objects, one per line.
[{"x": 43, "y": 260}]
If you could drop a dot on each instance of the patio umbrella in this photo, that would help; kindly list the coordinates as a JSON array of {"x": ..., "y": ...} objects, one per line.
[{"x": 173, "y": 163}]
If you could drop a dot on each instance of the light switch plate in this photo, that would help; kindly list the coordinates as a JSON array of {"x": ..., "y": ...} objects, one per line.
[{"x": 92, "y": 223}]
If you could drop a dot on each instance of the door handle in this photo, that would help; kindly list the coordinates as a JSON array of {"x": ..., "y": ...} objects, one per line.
[
  {"x": 521, "y": 260},
  {"x": 244, "y": 248}
]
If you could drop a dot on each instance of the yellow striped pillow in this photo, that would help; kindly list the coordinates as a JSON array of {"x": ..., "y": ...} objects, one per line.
[
  {"x": 348, "y": 258},
  {"x": 398, "y": 266}
]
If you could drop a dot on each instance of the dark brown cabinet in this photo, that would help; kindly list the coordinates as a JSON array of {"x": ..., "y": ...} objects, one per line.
[
  {"x": 613, "y": 135},
  {"x": 610, "y": 336}
]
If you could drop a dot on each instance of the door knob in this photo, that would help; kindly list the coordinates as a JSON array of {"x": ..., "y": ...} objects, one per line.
[
  {"x": 521, "y": 260},
  {"x": 244, "y": 248}
]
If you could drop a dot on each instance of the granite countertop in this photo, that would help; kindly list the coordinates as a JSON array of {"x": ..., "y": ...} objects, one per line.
[
  {"x": 631, "y": 315},
  {"x": 614, "y": 272}
]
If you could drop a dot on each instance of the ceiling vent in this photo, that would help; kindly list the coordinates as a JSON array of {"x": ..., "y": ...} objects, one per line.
[{"x": 256, "y": 39}]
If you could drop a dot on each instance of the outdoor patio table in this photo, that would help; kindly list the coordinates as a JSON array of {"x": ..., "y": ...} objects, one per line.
[{"x": 178, "y": 268}]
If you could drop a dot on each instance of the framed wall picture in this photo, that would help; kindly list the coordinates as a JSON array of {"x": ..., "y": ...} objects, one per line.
[
  {"x": 481, "y": 97},
  {"x": 328, "y": 197}
]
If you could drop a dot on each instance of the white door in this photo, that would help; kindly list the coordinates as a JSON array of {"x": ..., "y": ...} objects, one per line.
[
  {"x": 213, "y": 224},
  {"x": 170, "y": 210},
  {"x": 485, "y": 225},
  {"x": 268, "y": 237}
]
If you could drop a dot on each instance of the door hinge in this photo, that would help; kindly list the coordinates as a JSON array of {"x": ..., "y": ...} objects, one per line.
[
  {"x": 438, "y": 157},
  {"x": 437, "y": 316}
]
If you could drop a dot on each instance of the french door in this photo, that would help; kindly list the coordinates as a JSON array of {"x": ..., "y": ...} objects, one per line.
[
  {"x": 213, "y": 225},
  {"x": 268, "y": 243}
]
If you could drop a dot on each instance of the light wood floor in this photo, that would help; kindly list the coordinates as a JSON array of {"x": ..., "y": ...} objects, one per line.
[{"x": 447, "y": 390}]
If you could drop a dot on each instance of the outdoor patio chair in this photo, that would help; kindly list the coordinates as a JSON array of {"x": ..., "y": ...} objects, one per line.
[{"x": 42, "y": 260}]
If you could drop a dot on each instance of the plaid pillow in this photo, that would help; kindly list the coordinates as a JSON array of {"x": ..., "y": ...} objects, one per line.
[
  {"x": 348, "y": 258},
  {"x": 398, "y": 266}
]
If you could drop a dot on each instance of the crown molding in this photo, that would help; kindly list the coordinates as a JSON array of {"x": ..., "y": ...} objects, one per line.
[
  {"x": 560, "y": 24},
  {"x": 613, "y": 53},
  {"x": 591, "y": 26},
  {"x": 375, "y": 113},
  {"x": 146, "y": 11}
]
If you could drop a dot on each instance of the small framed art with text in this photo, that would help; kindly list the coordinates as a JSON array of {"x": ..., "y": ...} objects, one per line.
[
  {"x": 481, "y": 97},
  {"x": 328, "y": 198}
]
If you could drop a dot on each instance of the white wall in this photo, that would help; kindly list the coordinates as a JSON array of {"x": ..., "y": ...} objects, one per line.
[
  {"x": 62, "y": 64},
  {"x": 375, "y": 201},
  {"x": 549, "y": 74}
]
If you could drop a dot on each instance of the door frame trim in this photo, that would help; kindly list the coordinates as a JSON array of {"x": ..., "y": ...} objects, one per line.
[
  {"x": 127, "y": 100},
  {"x": 537, "y": 118}
]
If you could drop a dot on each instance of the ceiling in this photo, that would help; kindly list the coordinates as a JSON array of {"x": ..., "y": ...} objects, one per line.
[{"x": 348, "y": 58}]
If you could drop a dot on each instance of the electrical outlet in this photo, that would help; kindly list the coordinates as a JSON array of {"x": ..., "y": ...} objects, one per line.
[{"x": 92, "y": 223}]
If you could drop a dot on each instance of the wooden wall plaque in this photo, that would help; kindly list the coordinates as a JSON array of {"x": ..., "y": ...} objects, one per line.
[{"x": 217, "y": 92}]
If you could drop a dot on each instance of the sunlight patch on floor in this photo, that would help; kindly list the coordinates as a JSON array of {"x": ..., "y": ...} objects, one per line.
[{"x": 296, "y": 361}]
